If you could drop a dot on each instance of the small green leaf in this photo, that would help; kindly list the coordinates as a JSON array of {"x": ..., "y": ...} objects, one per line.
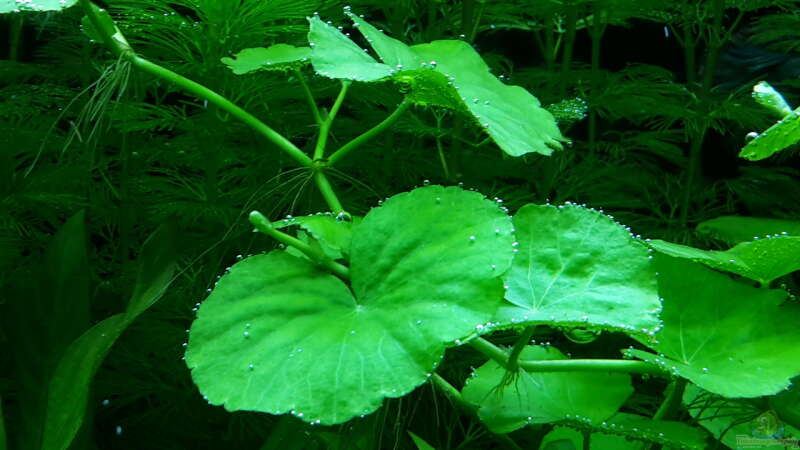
[
  {"x": 736, "y": 229},
  {"x": 771, "y": 99},
  {"x": 536, "y": 398},
  {"x": 276, "y": 57},
  {"x": 12, "y": 6},
  {"x": 576, "y": 266},
  {"x": 334, "y": 55},
  {"x": 280, "y": 335},
  {"x": 724, "y": 335},
  {"x": 419, "y": 442},
  {"x": 762, "y": 260},
  {"x": 334, "y": 236},
  {"x": 452, "y": 74},
  {"x": 776, "y": 138}
]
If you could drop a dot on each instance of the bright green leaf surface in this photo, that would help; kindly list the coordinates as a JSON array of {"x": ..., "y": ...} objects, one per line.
[
  {"x": 534, "y": 398},
  {"x": 279, "y": 335},
  {"x": 762, "y": 260},
  {"x": 69, "y": 387},
  {"x": 334, "y": 236},
  {"x": 577, "y": 266},
  {"x": 334, "y": 55},
  {"x": 776, "y": 138},
  {"x": 768, "y": 97},
  {"x": 276, "y": 57},
  {"x": 724, "y": 335},
  {"x": 736, "y": 229},
  {"x": 510, "y": 114},
  {"x": 11, "y": 6}
]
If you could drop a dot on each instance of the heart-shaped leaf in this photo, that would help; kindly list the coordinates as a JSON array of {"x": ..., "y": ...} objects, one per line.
[
  {"x": 724, "y": 335},
  {"x": 762, "y": 260},
  {"x": 275, "y": 57},
  {"x": 280, "y": 335},
  {"x": 576, "y": 266},
  {"x": 534, "y": 398}
]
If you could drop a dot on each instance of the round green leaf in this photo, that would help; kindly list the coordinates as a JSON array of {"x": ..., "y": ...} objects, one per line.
[
  {"x": 280, "y": 335},
  {"x": 334, "y": 55},
  {"x": 275, "y": 57},
  {"x": 724, "y": 335},
  {"x": 578, "y": 267},
  {"x": 534, "y": 398},
  {"x": 762, "y": 260},
  {"x": 11, "y": 6}
]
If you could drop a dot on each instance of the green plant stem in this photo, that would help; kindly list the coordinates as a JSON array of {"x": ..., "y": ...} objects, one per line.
[
  {"x": 522, "y": 342},
  {"x": 325, "y": 128},
  {"x": 309, "y": 96},
  {"x": 325, "y": 188},
  {"x": 501, "y": 357},
  {"x": 597, "y": 30},
  {"x": 672, "y": 401},
  {"x": 194, "y": 88},
  {"x": 369, "y": 134},
  {"x": 15, "y": 36},
  {"x": 265, "y": 226},
  {"x": 569, "y": 45},
  {"x": 449, "y": 391},
  {"x": 3, "y": 443}
]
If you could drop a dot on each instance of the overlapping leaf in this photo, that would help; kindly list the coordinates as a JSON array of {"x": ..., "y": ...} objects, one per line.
[
  {"x": 332, "y": 235},
  {"x": 723, "y": 335},
  {"x": 276, "y": 57},
  {"x": 776, "y": 138},
  {"x": 334, "y": 55},
  {"x": 762, "y": 260},
  {"x": 280, "y": 335},
  {"x": 577, "y": 266},
  {"x": 736, "y": 229},
  {"x": 535, "y": 398}
]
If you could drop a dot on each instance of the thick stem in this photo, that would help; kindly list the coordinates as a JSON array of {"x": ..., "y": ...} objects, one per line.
[
  {"x": 672, "y": 401},
  {"x": 491, "y": 351},
  {"x": 569, "y": 45},
  {"x": 309, "y": 96},
  {"x": 15, "y": 36},
  {"x": 325, "y": 128},
  {"x": 265, "y": 226},
  {"x": 522, "y": 342},
  {"x": 370, "y": 134},
  {"x": 325, "y": 188}
]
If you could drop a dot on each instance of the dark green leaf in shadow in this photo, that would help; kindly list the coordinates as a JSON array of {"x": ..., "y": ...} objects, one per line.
[{"x": 736, "y": 229}]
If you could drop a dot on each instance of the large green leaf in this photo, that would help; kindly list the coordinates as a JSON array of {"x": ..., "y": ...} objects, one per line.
[
  {"x": 280, "y": 335},
  {"x": 736, "y": 229},
  {"x": 276, "y": 57},
  {"x": 11, "y": 6},
  {"x": 762, "y": 260},
  {"x": 535, "y": 398},
  {"x": 724, "y": 335},
  {"x": 334, "y": 55},
  {"x": 776, "y": 138},
  {"x": 68, "y": 389},
  {"x": 576, "y": 266}
]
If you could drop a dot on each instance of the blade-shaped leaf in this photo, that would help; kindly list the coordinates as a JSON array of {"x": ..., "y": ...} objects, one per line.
[
  {"x": 736, "y": 229},
  {"x": 156, "y": 264},
  {"x": 275, "y": 57},
  {"x": 12, "y": 6},
  {"x": 535, "y": 398},
  {"x": 279, "y": 335},
  {"x": 762, "y": 260},
  {"x": 724, "y": 335},
  {"x": 577, "y": 266},
  {"x": 420, "y": 443},
  {"x": 334, "y": 55},
  {"x": 776, "y": 138}
]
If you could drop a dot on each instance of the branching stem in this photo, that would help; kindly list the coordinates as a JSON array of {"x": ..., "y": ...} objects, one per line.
[
  {"x": 369, "y": 134},
  {"x": 325, "y": 128}
]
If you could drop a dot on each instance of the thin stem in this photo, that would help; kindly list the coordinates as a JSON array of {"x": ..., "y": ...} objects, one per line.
[
  {"x": 569, "y": 44},
  {"x": 522, "y": 342},
  {"x": 325, "y": 128},
  {"x": 491, "y": 351},
  {"x": 117, "y": 46},
  {"x": 265, "y": 226},
  {"x": 309, "y": 96},
  {"x": 369, "y": 134},
  {"x": 327, "y": 191},
  {"x": 674, "y": 396}
]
